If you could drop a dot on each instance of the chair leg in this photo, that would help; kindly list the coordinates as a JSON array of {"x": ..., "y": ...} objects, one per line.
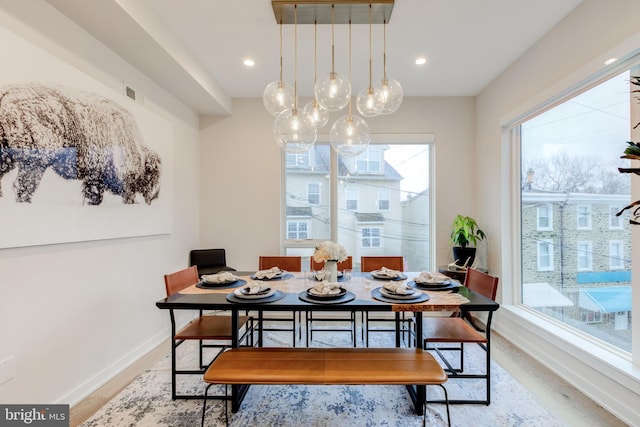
[{"x": 204, "y": 404}]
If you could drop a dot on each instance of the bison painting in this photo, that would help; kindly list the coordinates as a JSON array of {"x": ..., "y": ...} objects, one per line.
[{"x": 77, "y": 135}]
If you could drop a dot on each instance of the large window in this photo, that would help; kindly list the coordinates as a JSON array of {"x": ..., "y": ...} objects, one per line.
[
  {"x": 377, "y": 203},
  {"x": 570, "y": 193}
]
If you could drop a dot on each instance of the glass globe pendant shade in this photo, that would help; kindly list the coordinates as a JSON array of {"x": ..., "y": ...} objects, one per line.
[
  {"x": 291, "y": 132},
  {"x": 366, "y": 102},
  {"x": 350, "y": 136},
  {"x": 389, "y": 95},
  {"x": 333, "y": 92},
  {"x": 315, "y": 115},
  {"x": 278, "y": 97}
]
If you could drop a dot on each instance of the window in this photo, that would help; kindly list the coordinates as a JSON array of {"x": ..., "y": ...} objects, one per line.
[
  {"x": 583, "y": 215},
  {"x": 298, "y": 160},
  {"x": 297, "y": 230},
  {"x": 313, "y": 193},
  {"x": 583, "y": 260},
  {"x": 377, "y": 203},
  {"x": 351, "y": 199},
  {"x": 545, "y": 255},
  {"x": 615, "y": 222},
  {"x": 383, "y": 200},
  {"x": 616, "y": 254},
  {"x": 545, "y": 221},
  {"x": 370, "y": 161},
  {"x": 371, "y": 237},
  {"x": 585, "y": 256}
]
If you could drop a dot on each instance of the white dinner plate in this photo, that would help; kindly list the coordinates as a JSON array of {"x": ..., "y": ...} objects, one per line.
[
  {"x": 238, "y": 293},
  {"x": 393, "y": 295}
]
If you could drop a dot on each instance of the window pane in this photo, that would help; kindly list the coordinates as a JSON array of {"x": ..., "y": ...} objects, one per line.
[
  {"x": 573, "y": 258},
  {"x": 391, "y": 213},
  {"x": 308, "y": 194}
]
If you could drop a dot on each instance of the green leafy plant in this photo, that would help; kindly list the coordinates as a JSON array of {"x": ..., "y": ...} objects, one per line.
[{"x": 465, "y": 231}]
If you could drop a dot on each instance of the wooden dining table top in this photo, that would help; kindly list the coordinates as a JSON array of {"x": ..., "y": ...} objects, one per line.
[{"x": 361, "y": 285}]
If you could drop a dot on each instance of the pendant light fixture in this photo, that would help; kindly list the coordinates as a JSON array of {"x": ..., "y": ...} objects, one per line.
[
  {"x": 292, "y": 133},
  {"x": 333, "y": 92},
  {"x": 388, "y": 91},
  {"x": 313, "y": 113},
  {"x": 366, "y": 100},
  {"x": 278, "y": 95},
  {"x": 350, "y": 135}
]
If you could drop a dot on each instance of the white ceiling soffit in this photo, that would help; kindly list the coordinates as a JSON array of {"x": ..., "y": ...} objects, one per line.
[
  {"x": 195, "y": 48},
  {"x": 134, "y": 32}
]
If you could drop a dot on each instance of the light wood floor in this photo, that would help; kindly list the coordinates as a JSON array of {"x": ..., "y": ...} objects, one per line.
[{"x": 566, "y": 403}]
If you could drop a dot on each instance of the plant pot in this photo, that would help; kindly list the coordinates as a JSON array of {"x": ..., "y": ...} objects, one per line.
[{"x": 461, "y": 255}]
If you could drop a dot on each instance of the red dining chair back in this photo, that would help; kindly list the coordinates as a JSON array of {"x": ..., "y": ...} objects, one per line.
[
  {"x": 371, "y": 263},
  {"x": 284, "y": 262}
]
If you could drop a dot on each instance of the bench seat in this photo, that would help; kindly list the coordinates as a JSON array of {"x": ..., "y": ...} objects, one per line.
[{"x": 325, "y": 366}]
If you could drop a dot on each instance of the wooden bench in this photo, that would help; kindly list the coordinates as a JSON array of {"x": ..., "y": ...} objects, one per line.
[{"x": 326, "y": 366}]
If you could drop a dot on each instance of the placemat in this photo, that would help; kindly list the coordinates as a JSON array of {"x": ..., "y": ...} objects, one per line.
[
  {"x": 375, "y": 293},
  {"x": 231, "y": 297},
  {"x": 349, "y": 296},
  {"x": 235, "y": 284}
]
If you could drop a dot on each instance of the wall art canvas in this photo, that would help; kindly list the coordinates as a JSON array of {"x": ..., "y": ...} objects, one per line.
[{"x": 78, "y": 160}]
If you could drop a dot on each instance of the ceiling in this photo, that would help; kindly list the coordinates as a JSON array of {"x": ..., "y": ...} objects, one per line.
[{"x": 195, "y": 48}]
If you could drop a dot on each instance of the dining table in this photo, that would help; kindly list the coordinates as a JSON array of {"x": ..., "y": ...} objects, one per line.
[{"x": 290, "y": 292}]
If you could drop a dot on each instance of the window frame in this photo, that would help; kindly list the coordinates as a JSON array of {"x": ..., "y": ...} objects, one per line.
[
  {"x": 298, "y": 222},
  {"x": 584, "y": 252},
  {"x": 363, "y": 237},
  {"x": 550, "y": 254},
  {"x": 549, "y": 208},
  {"x": 588, "y": 216},
  {"x": 619, "y": 256},
  {"x": 318, "y": 194}
]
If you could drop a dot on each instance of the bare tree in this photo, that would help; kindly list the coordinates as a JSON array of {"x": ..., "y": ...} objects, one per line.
[{"x": 572, "y": 173}]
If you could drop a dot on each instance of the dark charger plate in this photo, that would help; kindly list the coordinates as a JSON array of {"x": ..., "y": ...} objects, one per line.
[
  {"x": 204, "y": 285},
  {"x": 342, "y": 292}
]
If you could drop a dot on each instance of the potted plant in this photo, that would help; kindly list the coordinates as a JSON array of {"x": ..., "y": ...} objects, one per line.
[{"x": 465, "y": 234}]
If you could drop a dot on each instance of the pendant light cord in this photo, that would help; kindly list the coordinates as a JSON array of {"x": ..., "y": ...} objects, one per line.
[
  {"x": 280, "y": 49},
  {"x": 384, "y": 55},
  {"x": 350, "y": 65},
  {"x": 333, "y": 46},
  {"x": 370, "y": 52},
  {"x": 295, "y": 58}
]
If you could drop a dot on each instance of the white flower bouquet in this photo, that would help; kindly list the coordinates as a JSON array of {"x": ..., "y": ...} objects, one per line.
[{"x": 329, "y": 251}]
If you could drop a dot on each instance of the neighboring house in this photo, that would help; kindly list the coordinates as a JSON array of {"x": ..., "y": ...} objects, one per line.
[
  {"x": 370, "y": 211},
  {"x": 573, "y": 242}
]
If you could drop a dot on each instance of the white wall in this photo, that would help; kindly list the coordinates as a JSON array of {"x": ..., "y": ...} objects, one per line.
[
  {"x": 240, "y": 173},
  {"x": 73, "y": 315},
  {"x": 571, "y": 52}
]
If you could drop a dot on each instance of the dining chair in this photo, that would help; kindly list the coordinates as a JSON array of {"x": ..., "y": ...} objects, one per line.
[
  {"x": 401, "y": 322},
  {"x": 321, "y": 318},
  {"x": 215, "y": 329},
  {"x": 284, "y": 262},
  {"x": 288, "y": 263},
  {"x": 209, "y": 261},
  {"x": 453, "y": 332}
]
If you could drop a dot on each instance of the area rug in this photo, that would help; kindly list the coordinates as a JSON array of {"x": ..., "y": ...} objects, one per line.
[{"x": 147, "y": 400}]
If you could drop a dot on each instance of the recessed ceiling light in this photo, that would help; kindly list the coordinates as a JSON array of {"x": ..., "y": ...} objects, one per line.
[
  {"x": 249, "y": 62},
  {"x": 421, "y": 60},
  {"x": 610, "y": 61}
]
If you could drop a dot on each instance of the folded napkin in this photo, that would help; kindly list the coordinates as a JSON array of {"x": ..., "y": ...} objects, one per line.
[
  {"x": 222, "y": 277},
  {"x": 426, "y": 277},
  {"x": 326, "y": 288},
  {"x": 398, "y": 288},
  {"x": 384, "y": 271},
  {"x": 269, "y": 273},
  {"x": 254, "y": 289}
]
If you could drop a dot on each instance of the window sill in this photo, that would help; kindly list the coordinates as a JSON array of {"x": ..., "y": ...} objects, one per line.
[{"x": 605, "y": 374}]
